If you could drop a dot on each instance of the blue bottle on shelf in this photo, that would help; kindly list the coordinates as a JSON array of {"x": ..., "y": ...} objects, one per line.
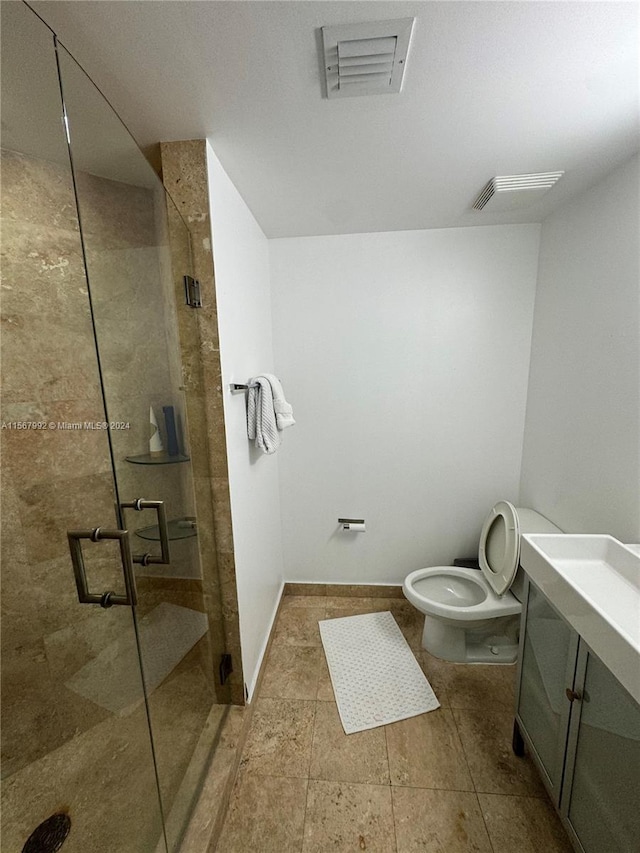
[{"x": 170, "y": 426}]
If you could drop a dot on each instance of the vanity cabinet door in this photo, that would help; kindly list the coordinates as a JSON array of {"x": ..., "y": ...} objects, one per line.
[
  {"x": 547, "y": 666},
  {"x": 602, "y": 776}
]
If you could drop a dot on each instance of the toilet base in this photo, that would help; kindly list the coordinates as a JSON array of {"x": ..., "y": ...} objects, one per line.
[{"x": 494, "y": 642}]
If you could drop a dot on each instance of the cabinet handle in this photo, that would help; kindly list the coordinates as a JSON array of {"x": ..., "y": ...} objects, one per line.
[{"x": 572, "y": 695}]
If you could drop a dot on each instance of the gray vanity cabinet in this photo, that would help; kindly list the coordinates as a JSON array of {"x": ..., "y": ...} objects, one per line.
[
  {"x": 601, "y": 794},
  {"x": 547, "y": 662},
  {"x": 582, "y": 729}
]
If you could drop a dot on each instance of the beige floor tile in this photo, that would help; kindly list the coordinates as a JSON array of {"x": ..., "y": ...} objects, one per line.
[
  {"x": 385, "y": 591},
  {"x": 474, "y": 686},
  {"x": 435, "y": 671},
  {"x": 425, "y": 752},
  {"x": 410, "y": 621},
  {"x": 279, "y": 740},
  {"x": 523, "y": 825},
  {"x": 342, "y": 612},
  {"x": 346, "y": 590},
  {"x": 429, "y": 821},
  {"x": 338, "y": 606},
  {"x": 346, "y": 818},
  {"x": 298, "y": 626},
  {"x": 470, "y": 686},
  {"x": 325, "y": 687},
  {"x": 291, "y": 672},
  {"x": 296, "y": 601},
  {"x": 337, "y": 757},
  {"x": 265, "y": 816},
  {"x": 486, "y": 739},
  {"x": 305, "y": 589},
  {"x": 212, "y": 786}
]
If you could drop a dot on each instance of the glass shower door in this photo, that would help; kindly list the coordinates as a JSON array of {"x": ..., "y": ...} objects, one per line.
[
  {"x": 77, "y": 760},
  {"x": 137, "y": 253}
]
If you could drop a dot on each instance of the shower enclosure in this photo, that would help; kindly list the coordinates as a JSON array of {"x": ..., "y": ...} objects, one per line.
[{"x": 111, "y": 621}]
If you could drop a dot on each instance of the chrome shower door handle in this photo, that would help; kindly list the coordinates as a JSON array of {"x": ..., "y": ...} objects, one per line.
[
  {"x": 105, "y": 599},
  {"x": 165, "y": 555}
]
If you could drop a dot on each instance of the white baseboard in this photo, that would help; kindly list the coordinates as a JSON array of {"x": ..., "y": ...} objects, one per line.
[{"x": 251, "y": 687}]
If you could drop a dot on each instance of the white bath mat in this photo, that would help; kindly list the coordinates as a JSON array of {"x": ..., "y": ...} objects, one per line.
[
  {"x": 376, "y": 678},
  {"x": 112, "y": 679}
]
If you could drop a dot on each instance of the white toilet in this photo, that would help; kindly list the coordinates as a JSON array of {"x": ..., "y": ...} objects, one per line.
[{"x": 473, "y": 616}]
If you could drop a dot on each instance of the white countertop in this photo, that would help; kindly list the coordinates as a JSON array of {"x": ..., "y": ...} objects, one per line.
[{"x": 594, "y": 583}]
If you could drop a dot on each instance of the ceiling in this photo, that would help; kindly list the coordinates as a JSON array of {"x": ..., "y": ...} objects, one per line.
[{"x": 491, "y": 88}]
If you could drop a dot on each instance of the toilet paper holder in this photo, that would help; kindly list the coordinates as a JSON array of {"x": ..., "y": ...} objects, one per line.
[{"x": 346, "y": 522}]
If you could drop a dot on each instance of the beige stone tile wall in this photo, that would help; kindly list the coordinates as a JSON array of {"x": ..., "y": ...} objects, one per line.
[
  {"x": 56, "y": 480},
  {"x": 128, "y": 254},
  {"x": 52, "y": 480},
  {"x": 184, "y": 173},
  {"x": 345, "y": 590}
]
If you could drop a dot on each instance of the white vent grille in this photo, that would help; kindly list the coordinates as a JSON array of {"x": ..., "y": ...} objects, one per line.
[
  {"x": 366, "y": 59},
  {"x": 516, "y": 190}
]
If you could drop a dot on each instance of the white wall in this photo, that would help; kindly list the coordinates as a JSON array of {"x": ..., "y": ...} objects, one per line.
[
  {"x": 405, "y": 356},
  {"x": 581, "y": 459},
  {"x": 244, "y": 318}
]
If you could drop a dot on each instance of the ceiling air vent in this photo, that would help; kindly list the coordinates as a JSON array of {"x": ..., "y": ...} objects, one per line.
[
  {"x": 509, "y": 191},
  {"x": 366, "y": 59}
]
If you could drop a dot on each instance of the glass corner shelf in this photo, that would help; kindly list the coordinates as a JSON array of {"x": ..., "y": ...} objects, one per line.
[
  {"x": 177, "y": 528},
  {"x": 164, "y": 459}
]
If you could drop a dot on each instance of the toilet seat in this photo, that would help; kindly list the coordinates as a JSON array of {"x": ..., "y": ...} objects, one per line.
[
  {"x": 499, "y": 550},
  {"x": 453, "y": 592}
]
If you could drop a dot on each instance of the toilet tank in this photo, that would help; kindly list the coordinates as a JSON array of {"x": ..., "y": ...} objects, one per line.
[{"x": 530, "y": 521}]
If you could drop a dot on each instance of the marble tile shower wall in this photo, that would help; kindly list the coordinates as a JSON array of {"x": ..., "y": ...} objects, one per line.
[
  {"x": 137, "y": 340},
  {"x": 128, "y": 251},
  {"x": 184, "y": 173},
  {"x": 54, "y": 480}
]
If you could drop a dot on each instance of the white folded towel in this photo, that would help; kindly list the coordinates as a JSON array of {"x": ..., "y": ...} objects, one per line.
[
  {"x": 267, "y": 412},
  {"x": 284, "y": 411},
  {"x": 261, "y": 416}
]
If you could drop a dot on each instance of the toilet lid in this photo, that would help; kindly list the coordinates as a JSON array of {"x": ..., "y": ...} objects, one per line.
[{"x": 499, "y": 552}]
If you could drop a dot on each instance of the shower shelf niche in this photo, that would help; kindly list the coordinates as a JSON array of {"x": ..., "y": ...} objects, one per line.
[
  {"x": 177, "y": 528},
  {"x": 165, "y": 459}
]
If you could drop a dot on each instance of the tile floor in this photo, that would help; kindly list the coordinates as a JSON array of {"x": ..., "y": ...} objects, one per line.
[
  {"x": 443, "y": 782},
  {"x": 107, "y": 770}
]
